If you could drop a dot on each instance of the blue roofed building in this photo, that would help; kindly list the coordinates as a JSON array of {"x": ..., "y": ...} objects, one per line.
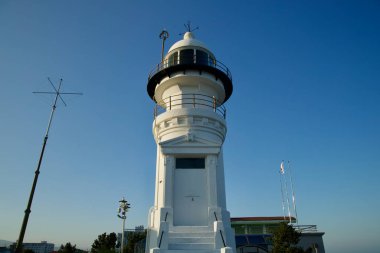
[{"x": 253, "y": 234}]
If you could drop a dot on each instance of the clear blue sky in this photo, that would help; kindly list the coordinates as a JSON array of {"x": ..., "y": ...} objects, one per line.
[{"x": 306, "y": 89}]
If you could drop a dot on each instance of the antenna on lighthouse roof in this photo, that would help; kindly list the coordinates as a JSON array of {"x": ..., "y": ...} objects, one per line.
[
  {"x": 163, "y": 35},
  {"x": 188, "y": 28}
]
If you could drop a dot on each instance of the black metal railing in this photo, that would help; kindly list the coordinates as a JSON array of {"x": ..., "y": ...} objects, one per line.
[
  {"x": 162, "y": 232},
  {"x": 190, "y": 101},
  {"x": 194, "y": 60},
  {"x": 220, "y": 231}
]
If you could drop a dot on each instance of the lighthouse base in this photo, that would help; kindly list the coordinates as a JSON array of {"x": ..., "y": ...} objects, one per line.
[
  {"x": 186, "y": 239},
  {"x": 222, "y": 250}
]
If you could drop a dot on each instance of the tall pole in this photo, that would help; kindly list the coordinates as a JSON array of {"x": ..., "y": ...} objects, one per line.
[
  {"x": 123, "y": 209},
  {"x": 287, "y": 199},
  {"x": 122, "y": 237},
  {"x": 283, "y": 176},
  {"x": 37, "y": 172},
  {"x": 293, "y": 193},
  {"x": 282, "y": 195}
]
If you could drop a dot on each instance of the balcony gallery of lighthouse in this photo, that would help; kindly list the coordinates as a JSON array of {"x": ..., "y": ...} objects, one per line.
[{"x": 189, "y": 88}]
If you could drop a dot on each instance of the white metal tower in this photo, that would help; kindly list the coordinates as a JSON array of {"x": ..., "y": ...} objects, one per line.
[{"x": 189, "y": 214}]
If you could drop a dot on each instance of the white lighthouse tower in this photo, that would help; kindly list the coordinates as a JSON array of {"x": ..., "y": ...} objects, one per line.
[{"x": 189, "y": 214}]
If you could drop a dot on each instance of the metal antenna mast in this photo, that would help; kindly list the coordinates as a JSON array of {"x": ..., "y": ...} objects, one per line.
[
  {"x": 163, "y": 35},
  {"x": 293, "y": 193},
  {"x": 57, "y": 93}
]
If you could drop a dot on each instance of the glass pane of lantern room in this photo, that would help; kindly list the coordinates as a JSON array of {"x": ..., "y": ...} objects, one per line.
[
  {"x": 202, "y": 57},
  {"x": 173, "y": 59},
  {"x": 186, "y": 56}
]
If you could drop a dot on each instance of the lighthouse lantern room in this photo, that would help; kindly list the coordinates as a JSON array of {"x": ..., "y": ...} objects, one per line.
[{"x": 189, "y": 214}]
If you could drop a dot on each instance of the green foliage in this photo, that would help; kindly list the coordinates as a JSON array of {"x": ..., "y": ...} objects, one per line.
[
  {"x": 104, "y": 244},
  {"x": 68, "y": 248},
  {"x": 285, "y": 239},
  {"x": 132, "y": 239},
  {"x": 28, "y": 251}
]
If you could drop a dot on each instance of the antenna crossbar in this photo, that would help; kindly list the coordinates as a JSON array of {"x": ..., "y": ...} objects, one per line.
[
  {"x": 61, "y": 93},
  {"x": 57, "y": 91}
]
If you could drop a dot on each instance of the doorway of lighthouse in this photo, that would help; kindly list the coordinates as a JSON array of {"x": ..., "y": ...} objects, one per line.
[{"x": 190, "y": 198}]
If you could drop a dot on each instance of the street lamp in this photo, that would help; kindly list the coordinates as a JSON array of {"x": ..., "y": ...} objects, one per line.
[{"x": 122, "y": 214}]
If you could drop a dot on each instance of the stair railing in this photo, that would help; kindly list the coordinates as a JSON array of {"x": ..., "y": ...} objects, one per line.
[
  {"x": 150, "y": 225},
  {"x": 220, "y": 231},
  {"x": 162, "y": 232}
]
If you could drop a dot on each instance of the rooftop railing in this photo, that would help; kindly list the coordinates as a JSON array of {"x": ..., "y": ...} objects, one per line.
[
  {"x": 190, "y": 101},
  {"x": 305, "y": 228},
  {"x": 195, "y": 61}
]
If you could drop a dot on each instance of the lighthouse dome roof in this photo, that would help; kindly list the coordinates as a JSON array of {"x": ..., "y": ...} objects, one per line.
[{"x": 188, "y": 41}]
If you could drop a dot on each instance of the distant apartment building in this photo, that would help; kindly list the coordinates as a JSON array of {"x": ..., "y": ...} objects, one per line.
[
  {"x": 38, "y": 247},
  {"x": 138, "y": 229},
  {"x": 4, "y": 250}
]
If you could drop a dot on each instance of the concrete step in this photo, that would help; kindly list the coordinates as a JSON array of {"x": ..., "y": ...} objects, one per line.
[
  {"x": 187, "y": 239},
  {"x": 191, "y": 229},
  {"x": 192, "y": 251},
  {"x": 191, "y": 246},
  {"x": 190, "y": 234}
]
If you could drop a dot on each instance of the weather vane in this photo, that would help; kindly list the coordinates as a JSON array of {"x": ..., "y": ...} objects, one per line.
[{"x": 188, "y": 28}]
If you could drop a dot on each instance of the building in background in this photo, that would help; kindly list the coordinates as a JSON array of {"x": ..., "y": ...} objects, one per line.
[
  {"x": 253, "y": 234},
  {"x": 4, "y": 249},
  {"x": 138, "y": 229},
  {"x": 37, "y": 247}
]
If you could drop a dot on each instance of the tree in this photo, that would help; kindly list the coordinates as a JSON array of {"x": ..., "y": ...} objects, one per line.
[
  {"x": 104, "y": 244},
  {"x": 68, "y": 248},
  {"x": 132, "y": 239},
  {"x": 285, "y": 239}
]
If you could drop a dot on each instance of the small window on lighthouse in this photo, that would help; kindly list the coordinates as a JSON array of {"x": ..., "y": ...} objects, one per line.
[{"x": 190, "y": 163}]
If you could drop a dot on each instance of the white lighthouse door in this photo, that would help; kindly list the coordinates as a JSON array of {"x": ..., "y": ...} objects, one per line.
[{"x": 190, "y": 203}]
